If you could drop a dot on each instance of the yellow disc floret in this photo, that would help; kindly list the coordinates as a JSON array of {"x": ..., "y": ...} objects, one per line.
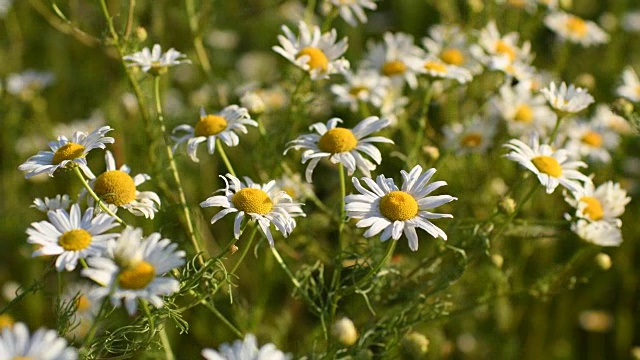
[
  {"x": 6, "y": 321},
  {"x": 471, "y": 140},
  {"x": 435, "y": 66},
  {"x": 83, "y": 303},
  {"x": 68, "y": 151},
  {"x": 592, "y": 138},
  {"x": 577, "y": 26},
  {"x": 75, "y": 240},
  {"x": 452, "y": 56},
  {"x": 398, "y": 206},
  {"x": 524, "y": 114},
  {"x": 392, "y": 68},
  {"x": 357, "y": 90},
  {"x": 593, "y": 209},
  {"x": 115, "y": 187},
  {"x": 505, "y": 49},
  {"x": 317, "y": 58},
  {"x": 252, "y": 200},
  {"x": 136, "y": 276},
  {"x": 210, "y": 125},
  {"x": 547, "y": 165},
  {"x": 337, "y": 140}
]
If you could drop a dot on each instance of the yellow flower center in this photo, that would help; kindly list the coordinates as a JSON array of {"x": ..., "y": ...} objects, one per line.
[
  {"x": 637, "y": 88},
  {"x": 398, "y": 206},
  {"x": 524, "y": 114},
  {"x": 22, "y": 358},
  {"x": 68, "y": 151},
  {"x": 505, "y": 49},
  {"x": 517, "y": 3},
  {"x": 393, "y": 68},
  {"x": 547, "y": 165},
  {"x": 452, "y": 56},
  {"x": 157, "y": 68},
  {"x": 115, "y": 187},
  {"x": 75, "y": 240},
  {"x": 317, "y": 58},
  {"x": 356, "y": 90},
  {"x": 337, "y": 140},
  {"x": 436, "y": 66},
  {"x": 471, "y": 140},
  {"x": 577, "y": 26},
  {"x": 593, "y": 209},
  {"x": 82, "y": 303},
  {"x": 6, "y": 321},
  {"x": 252, "y": 200},
  {"x": 137, "y": 276},
  {"x": 210, "y": 125},
  {"x": 592, "y": 138}
]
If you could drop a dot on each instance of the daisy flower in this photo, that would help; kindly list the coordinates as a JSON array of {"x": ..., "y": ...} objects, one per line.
[
  {"x": 318, "y": 54},
  {"x": 476, "y": 136},
  {"x": 552, "y": 167},
  {"x": 67, "y": 153},
  {"x": 46, "y": 204},
  {"x": 630, "y": 87},
  {"x": 352, "y": 11},
  {"x": 493, "y": 46},
  {"x": 342, "y": 145},
  {"x": 449, "y": 43},
  {"x": 523, "y": 111},
  {"x": 574, "y": 29},
  {"x": 608, "y": 119},
  {"x": 132, "y": 269},
  {"x": 394, "y": 211},
  {"x": 438, "y": 69},
  {"x": 118, "y": 189},
  {"x": 600, "y": 233},
  {"x": 223, "y": 125},
  {"x": 567, "y": 99},
  {"x": 590, "y": 140},
  {"x": 28, "y": 83},
  {"x": 264, "y": 203},
  {"x": 72, "y": 236},
  {"x": 16, "y": 343},
  {"x": 154, "y": 61},
  {"x": 604, "y": 203},
  {"x": 246, "y": 349},
  {"x": 366, "y": 86},
  {"x": 397, "y": 58},
  {"x": 294, "y": 186}
]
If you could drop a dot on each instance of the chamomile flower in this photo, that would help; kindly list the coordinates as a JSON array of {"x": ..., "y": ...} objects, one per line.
[
  {"x": 438, "y": 69},
  {"x": 46, "y": 204},
  {"x": 28, "y": 83},
  {"x": 72, "y": 236},
  {"x": 352, "y": 11},
  {"x": 246, "y": 349},
  {"x": 318, "y": 54},
  {"x": 211, "y": 127},
  {"x": 365, "y": 86},
  {"x": 600, "y": 233},
  {"x": 264, "y": 203},
  {"x": 342, "y": 145},
  {"x": 493, "y": 46},
  {"x": 118, "y": 189},
  {"x": 523, "y": 111},
  {"x": 397, "y": 58},
  {"x": 393, "y": 211},
  {"x": 154, "y": 61},
  {"x": 630, "y": 87},
  {"x": 67, "y": 153},
  {"x": 552, "y": 167},
  {"x": 590, "y": 140},
  {"x": 449, "y": 43},
  {"x": 476, "y": 136},
  {"x": 132, "y": 269},
  {"x": 43, "y": 344},
  {"x": 567, "y": 99},
  {"x": 295, "y": 186},
  {"x": 604, "y": 203},
  {"x": 606, "y": 118},
  {"x": 574, "y": 29}
]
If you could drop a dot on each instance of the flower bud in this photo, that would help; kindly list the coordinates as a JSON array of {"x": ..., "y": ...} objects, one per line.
[
  {"x": 344, "y": 331},
  {"x": 622, "y": 107},
  {"x": 603, "y": 261},
  {"x": 414, "y": 345},
  {"x": 507, "y": 205},
  {"x": 141, "y": 33}
]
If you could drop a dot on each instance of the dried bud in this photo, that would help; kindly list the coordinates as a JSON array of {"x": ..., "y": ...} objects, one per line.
[
  {"x": 414, "y": 345},
  {"x": 345, "y": 332},
  {"x": 604, "y": 261},
  {"x": 507, "y": 205}
]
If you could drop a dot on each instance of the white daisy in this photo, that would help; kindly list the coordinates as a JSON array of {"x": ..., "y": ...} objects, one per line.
[
  {"x": 397, "y": 58},
  {"x": 438, "y": 69},
  {"x": 492, "y": 47},
  {"x": 475, "y": 136},
  {"x": 317, "y": 53},
  {"x": 72, "y": 236},
  {"x": 394, "y": 211},
  {"x": 264, "y": 203},
  {"x": 342, "y": 145},
  {"x": 352, "y": 11},
  {"x": 223, "y": 125},
  {"x": 46, "y": 204},
  {"x": 366, "y": 86},
  {"x": 28, "y": 83},
  {"x": 523, "y": 111},
  {"x": 567, "y": 99},
  {"x": 154, "y": 61},
  {"x": 552, "y": 167},
  {"x": 67, "y": 153},
  {"x": 630, "y": 87},
  {"x": 608, "y": 119},
  {"x": 449, "y": 43},
  {"x": 118, "y": 189},
  {"x": 600, "y": 233},
  {"x": 590, "y": 140},
  {"x": 574, "y": 29},
  {"x": 604, "y": 203},
  {"x": 294, "y": 186},
  {"x": 246, "y": 349},
  {"x": 43, "y": 344},
  {"x": 132, "y": 269}
]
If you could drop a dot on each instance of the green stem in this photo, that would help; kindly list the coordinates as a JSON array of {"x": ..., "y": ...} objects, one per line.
[
  {"x": 554, "y": 134},
  {"x": 198, "y": 44},
  {"x": 309, "y": 11},
  {"x": 245, "y": 250},
  {"x": 130, "y": 16},
  {"x": 147, "y": 312},
  {"x": 109, "y": 18},
  {"x": 94, "y": 327},
  {"x": 224, "y": 157},
  {"x": 422, "y": 125},
  {"x": 390, "y": 248},
  {"x": 495, "y": 236},
  {"x": 166, "y": 345},
  {"x": 222, "y": 318},
  {"x": 95, "y": 197},
  {"x": 295, "y": 281},
  {"x": 337, "y": 271},
  {"x": 326, "y": 24}
]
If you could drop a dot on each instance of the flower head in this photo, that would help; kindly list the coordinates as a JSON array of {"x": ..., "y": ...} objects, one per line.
[
  {"x": 574, "y": 29},
  {"x": 439, "y": 69},
  {"x": 342, "y": 145},
  {"x": 28, "y": 83},
  {"x": 223, "y": 125},
  {"x": 590, "y": 140},
  {"x": 72, "y": 236},
  {"x": 264, "y": 203},
  {"x": 475, "y": 136},
  {"x": 365, "y": 85},
  {"x": 67, "y": 153},
  {"x": 397, "y": 58},
  {"x": 524, "y": 111},
  {"x": 46, "y": 204},
  {"x": 154, "y": 61},
  {"x": 606, "y": 202},
  {"x": 493, "y": 47},
  {"x": 246, "y": 349},
  {"x": 630, "y": 87},
  {"x": 394, "y": 211},
  {"x": 133, "y": 267},
  {"x": 568, "y": 99},
  {"x": 16, "y": 343},
  {"x": 449, "y": 44},
  {"x": 352, "y": 11}
]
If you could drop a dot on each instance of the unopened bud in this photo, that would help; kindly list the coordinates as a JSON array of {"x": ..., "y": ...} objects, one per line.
[
  {"x": 604, "y": 261},
  {"x": 233, "y": 249},
  {"x": 507, "y": 205},
  {"x": 414, "y": 345},
  {"x": 586, "y": 80},
  {"x": 431, "y": 152},
  {"x": 345, "y": 332},
  {"x": 497, "y": 260},
  {"x": 622, "y": 107},
  {"x": 141, "y": 33}
]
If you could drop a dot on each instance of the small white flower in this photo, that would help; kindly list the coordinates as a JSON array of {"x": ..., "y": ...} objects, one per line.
[
  {"x": 600, "y": 233},
  {"x": 223, "y": 125},
  {"x": 574, "y": 29},
  {"x": 494, "y": 48},
  {"x": 348, "y": 8},
  {"x": 28, "y": 83},
  {"x": 43, "y": 344},
  {"x": 72, "y": 236},
  {"x": 449, "y": 43},
  {"x": 568, "y": 99},
  {"x": 475, "y": 136},
  {"x": 397, "y": 58},
  {"x": 438, "y": 69},
  {"x": 246, "y": 349},
  {"x": 294, "y": 186},
  {"x": 590, "y": 140},
  {"x": 67, "y": 153},
  {"x": 264, "y": 203},
  {"x": 524, "y": 111},
  {"x": 46, "y": 204},
  {"x": 552, "y": 167},
  {"x": 365, "y": 86},
  {"x": 154, "y": 61},
  {"x": 606, "y": 118},
  {"x": 342, "y": 145},
  {"x": 631, "y": 21},
  {"x": 604, "y": 203},
  {"x": 132, "y": 269},
  {"x": 630, "y": 87},
  {"x": 394, "y": 211},
  {"x": 317, "y": 53}
]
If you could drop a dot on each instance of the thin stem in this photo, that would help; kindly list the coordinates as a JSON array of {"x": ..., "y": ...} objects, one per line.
[
  {"x": 130, "y": 15},
  {"x": 222, "y": 318},
  {"x": 495, "y": 236},
  {"x": 308, "y": 12},
  {"x": 337, "y": 271},
  {"x": 374, "y": 270},
  {"x": 95, "y": 197},
  {"x": 326, "y": 24},
  {"x": 166, "y": 345},
  {"x": 245, "y": 250},
  {"x": 224, "y": 157},
  {"x": 147, "y": 312},
  {"x": 94, "y": 327},
  {"x": 109, "y": 18},
  {"x": 174, "y": 171},
  {"x": 554, "y": 134},
  {"x": 198, "y": 44},
  {"x": 295, "y": 281},
  {"x": 422, "y": 124}
]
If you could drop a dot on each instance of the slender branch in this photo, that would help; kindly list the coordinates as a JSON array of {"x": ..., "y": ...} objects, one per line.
[
  {"x": 224, "y": 157},
  {"x": 95, "y": 197}
]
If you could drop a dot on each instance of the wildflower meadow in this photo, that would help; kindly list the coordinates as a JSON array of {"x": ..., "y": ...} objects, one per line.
[{"x": 319, "y": 179}]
